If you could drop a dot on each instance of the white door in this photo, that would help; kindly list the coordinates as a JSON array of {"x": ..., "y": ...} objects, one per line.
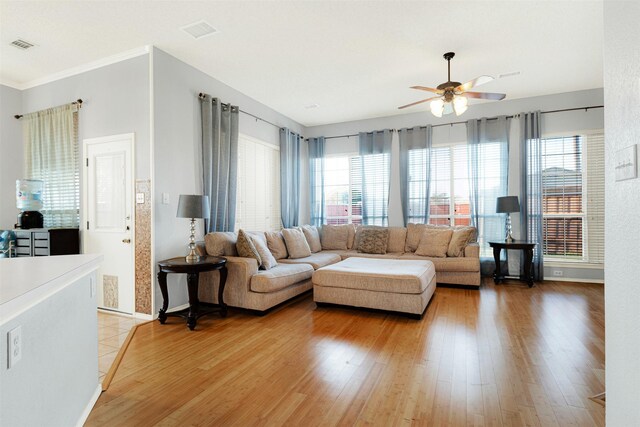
[{"x": 108, "y": 222}]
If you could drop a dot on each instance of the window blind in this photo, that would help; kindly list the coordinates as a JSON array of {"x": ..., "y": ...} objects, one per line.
[
  {"x": 51, "y": 155},
  {"x": 594, "y": 189},
  {"x": 258, "y": 201},
  {"x": 370, "y": 185},
  {"x": 449, "y": 189}
]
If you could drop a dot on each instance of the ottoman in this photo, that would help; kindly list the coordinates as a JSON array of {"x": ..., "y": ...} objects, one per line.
[{"x": 404, "y": 286}]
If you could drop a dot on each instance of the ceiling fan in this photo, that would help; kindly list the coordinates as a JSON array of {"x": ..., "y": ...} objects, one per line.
[{"x": 453, "y": 96}]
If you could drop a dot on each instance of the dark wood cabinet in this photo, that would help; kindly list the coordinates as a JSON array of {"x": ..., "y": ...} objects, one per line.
[{"x": 47, "y": 241}]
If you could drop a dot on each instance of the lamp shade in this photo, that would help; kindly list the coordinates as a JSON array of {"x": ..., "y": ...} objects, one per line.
[
  {"x": 193, "y": 206},
  {"x": 507, "y": 204}
]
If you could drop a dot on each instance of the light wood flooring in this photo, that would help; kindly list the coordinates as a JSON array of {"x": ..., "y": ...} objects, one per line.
[
  {"x": 112, "y": 332},
  {"x": 502, "y": 356}
]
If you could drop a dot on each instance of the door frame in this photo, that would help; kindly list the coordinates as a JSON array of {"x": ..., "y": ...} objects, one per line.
[{"x": 85, "y": 208}]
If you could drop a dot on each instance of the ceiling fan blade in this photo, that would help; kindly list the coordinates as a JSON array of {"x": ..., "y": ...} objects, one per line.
[
  {"x": 418, "y": 102},
  {"x": 428, "y": 89},
  {"x": 473, "y": 83},
  {"x": 485, "y": 95}
]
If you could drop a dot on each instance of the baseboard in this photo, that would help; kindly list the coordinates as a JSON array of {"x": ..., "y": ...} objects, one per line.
[
  {"x": 569, "y": 279},
  {"x": 89, "y": 407},
  {"x": 178, "y": 308},
  {"x": 144, "y": 316}
]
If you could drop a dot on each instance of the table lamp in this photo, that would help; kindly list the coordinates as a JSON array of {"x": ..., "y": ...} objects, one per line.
[
  {"x": 508, "y": 204},
  {"x": 193, "y": 206}
]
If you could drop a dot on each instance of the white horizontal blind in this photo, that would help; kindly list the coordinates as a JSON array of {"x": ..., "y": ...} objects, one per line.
[
  {"x": 449, "y": 188},
  {"x": 594, "y": 194},
  {"x": 51, "y": 155},
  {"x": 258, "y": 201},
  {"x": 372, "y": 171},
  {"x": 417, "y": 183}
]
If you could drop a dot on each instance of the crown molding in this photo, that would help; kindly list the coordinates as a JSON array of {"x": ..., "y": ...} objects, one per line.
[
  {"x": 11, "y": 84},
  {"x": 123, "y": 56}
]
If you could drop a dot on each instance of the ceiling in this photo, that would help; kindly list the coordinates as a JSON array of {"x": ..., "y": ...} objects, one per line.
[{"x": 355, "y": 59}]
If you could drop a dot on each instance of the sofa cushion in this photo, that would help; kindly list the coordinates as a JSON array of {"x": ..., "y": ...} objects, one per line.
[
  {"x": 335, "y": 237},
  {"x": 275, "y": 243},
  {"x": 349, "y": 254},
  {"x": 459, "y": 264},
  {"x": 313, "y": 238},
  {"x": 373, "y": 241},
  {"x": 414, "y": 233},
  {"x": 246, "y": 248},
  {"x": 297, "y": 245},
  {"x": 280, "y": 277},
  {"x": 397, "y": 238},
  {"x": 434, "y": 242},
  {"x": 317, "y": 260},
  {"x": 459, "y": 240},
  {"x": 266, "y": 258},
  {"x": 221, "y": 243}
]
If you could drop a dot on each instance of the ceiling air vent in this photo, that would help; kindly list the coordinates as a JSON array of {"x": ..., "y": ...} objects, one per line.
[
  {"x": 22, "y": 44},
  {"x": 199, "y": 29}
]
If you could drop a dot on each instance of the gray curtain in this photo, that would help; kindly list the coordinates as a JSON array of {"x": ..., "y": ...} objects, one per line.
[
  {"x": 375, "y": 164},
  {"x": 316, "y": 180},
  {"x": 417, "y": 138},
  {"x": 488, "y": 157},
  {"x": 531, "y": 187},
  {"x": 289, "y": 177},
  {"x": 220, "y": 161}
]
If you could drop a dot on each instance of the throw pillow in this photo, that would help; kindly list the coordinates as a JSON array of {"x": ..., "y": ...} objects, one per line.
[
  {"x": 414, "y": 233},
  {"x": 434, "y": 242},
  {"x": 268, "y": 261},
  {"x": 221, "y": 243},
  {"x": 246, "y": 248},
  {"x": 359, "y": 230},
  {"x": 459, "y": 240},
  {"x": 275, "y": 243},
  {"x": 397, "y": 239},
  {"x": 313, "y": 238},
  {"x": 297, "y": 245},
  {"x": 373, "y": 241},
  {"x": 335, "y": 237}
]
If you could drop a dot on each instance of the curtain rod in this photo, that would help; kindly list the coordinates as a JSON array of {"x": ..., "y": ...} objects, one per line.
[
  {"x": 201, "y": 96},
  {"x": 491, "y": 118},
  {"x": 78, "y": 101}
]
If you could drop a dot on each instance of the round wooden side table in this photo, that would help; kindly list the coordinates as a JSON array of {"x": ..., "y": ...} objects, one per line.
[
  {"x": 192, "y": 270},
  {"x": 527, "y": 248}
]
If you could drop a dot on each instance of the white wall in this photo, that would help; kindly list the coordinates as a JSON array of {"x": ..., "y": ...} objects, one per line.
[
  {"x": 177, "y": 150},
  {"x": 552, "y": 124},
  {"x": 622, "y": 226},
  {"x": 11, "y": 154}
]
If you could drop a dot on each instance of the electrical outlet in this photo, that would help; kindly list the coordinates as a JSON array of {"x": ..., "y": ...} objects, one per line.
[
  {"x": 140, "y": 198},
  {"x": 557, "y": 273},
  {"x": 14, "y": 337}
]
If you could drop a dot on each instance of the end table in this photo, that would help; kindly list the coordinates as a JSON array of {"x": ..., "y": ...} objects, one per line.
[
  {"x": 192, "y": 270},
  {"x": 526, "y": 247}
]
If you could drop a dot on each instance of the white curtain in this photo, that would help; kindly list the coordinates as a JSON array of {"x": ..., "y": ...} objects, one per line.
[{"x": 51, "y": 155}]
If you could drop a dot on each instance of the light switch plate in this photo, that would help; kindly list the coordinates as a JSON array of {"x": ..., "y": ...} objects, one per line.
[
  {"x": 626, "y": 163},
  {"x": 140, "y": 198},
  {"x": 165, "y": 198}
]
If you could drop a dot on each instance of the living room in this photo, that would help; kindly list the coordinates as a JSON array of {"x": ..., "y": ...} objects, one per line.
[{"x": 336, "y": 71}]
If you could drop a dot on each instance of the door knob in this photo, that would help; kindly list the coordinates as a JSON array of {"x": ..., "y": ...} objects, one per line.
[{"x": 126, "y": 240}]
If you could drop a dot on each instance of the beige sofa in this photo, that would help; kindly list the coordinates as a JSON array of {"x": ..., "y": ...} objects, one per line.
[{"x": 259, "y": 290}]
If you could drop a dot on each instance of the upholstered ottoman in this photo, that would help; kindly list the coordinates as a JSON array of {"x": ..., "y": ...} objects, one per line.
[{"x": 405, "y": 286}]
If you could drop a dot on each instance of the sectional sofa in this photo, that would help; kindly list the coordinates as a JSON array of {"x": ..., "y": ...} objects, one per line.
[{"x": 259, "y": 290}]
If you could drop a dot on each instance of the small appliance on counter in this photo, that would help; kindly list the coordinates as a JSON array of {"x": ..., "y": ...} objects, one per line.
[{"x": 29, "y": 201}]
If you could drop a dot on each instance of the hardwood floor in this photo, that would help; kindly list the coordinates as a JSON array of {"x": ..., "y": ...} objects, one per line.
[{"x": 502, "y": 356}]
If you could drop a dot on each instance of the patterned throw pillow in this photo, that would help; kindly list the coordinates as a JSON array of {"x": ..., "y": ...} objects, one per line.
[
  {"x": 246, "y": 248},
  {"x": 297, "y": 245},
  {"x": 373, "y": 240},
  {"x": 434, "y": 242},
  {"x": 459, "y": 240},
  {"x": 275, "y": 243},
  {"x": 313, "y": 237},
  {"x": 268, "y": 261}
]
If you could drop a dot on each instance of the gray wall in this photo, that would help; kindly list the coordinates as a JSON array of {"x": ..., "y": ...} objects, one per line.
[
  {"x": 116, "y": 100},
  {"x": 176, "y": 151},
  {"x": 553, "y": 124},
  {"x": 622, "y": 227},
  {"x": 11, "y": 154}
]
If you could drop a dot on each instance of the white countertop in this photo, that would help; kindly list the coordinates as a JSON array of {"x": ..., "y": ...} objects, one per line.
[{"x": 26, "y": 280}]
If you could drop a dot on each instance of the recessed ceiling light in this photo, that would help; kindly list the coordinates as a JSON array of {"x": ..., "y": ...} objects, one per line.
[
  {"x": 310, "y": 106},
  {"x": 199, "y": 29},
  {"x": 21, "y": 44}
]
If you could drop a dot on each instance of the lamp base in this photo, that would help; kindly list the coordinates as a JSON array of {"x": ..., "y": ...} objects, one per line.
[
  {"x": 509, "y": 237},
  {"x": 193, "y": 257}
]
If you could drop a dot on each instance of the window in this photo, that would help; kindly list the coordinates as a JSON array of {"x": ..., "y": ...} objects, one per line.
[
  {"x": 342, "y": 190},
  {"x": 258, "y": 201},
  {"x": 370, "y": 186},
  {"x": 573, "y": 198},
  {"x": 449, "y": 185}
]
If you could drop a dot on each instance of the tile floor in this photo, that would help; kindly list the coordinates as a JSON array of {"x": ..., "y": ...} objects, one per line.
[{"x": 112, "y": 331}]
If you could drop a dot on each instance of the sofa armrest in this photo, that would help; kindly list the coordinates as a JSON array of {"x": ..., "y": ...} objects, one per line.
[
  {"x": 472, "y": 250},
  {"x": 240, "y": 270}
]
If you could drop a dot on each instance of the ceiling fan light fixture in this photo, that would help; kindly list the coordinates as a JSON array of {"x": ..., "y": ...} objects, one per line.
[
  {"x": 437, "y": 107},
  {"x": 460, "y": 104}
]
